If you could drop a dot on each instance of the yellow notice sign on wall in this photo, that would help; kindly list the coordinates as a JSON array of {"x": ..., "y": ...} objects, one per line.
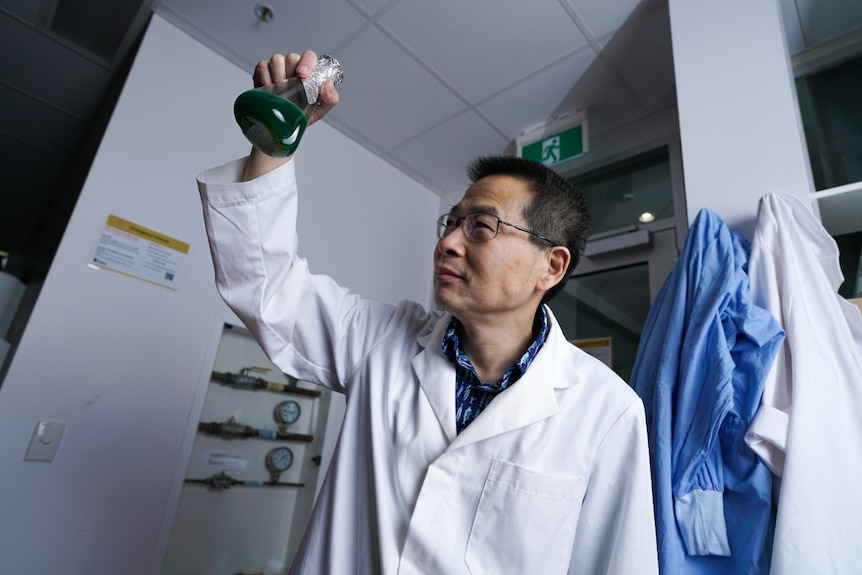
[
  {"x": 137, "y": 251},
  {"x": 599, "y": 347}
]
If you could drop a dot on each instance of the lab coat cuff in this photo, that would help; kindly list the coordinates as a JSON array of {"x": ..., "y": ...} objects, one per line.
[
  {"x": 700, "y": 517},
  {"x": 223, "y": 185}
]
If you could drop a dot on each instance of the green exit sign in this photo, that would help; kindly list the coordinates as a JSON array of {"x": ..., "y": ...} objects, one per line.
[{"x": 556, "y": 148}]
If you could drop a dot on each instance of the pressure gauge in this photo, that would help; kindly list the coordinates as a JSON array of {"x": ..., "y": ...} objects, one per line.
[
  {"x": 278, "y": 460},
  {"x": 287, "y": 412}
]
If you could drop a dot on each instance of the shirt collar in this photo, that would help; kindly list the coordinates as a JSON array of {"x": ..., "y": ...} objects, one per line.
[{"x": 451, "y": 347}]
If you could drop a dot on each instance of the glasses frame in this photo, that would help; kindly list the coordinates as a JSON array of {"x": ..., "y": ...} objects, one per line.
[{"x": 442, "y": 233}]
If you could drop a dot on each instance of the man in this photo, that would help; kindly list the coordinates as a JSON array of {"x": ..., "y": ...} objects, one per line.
[{"x": 475, "y": 440}]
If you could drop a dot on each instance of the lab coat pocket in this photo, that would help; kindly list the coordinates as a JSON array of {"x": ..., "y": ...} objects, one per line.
[{"x": 525, "y": 521}]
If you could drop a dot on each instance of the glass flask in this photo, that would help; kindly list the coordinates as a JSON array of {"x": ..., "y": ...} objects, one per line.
[{"x": 274, "y": 117}]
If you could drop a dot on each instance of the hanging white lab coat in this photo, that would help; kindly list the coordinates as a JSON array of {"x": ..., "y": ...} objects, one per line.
[
  {"x": 553, "y": 476},
  {"x": 808, "y": 429}
]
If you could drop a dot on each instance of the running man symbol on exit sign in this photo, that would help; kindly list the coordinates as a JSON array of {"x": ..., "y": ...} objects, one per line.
[
  {"x": 551, "y": 150},
  {"x": 557, "y": 148}
]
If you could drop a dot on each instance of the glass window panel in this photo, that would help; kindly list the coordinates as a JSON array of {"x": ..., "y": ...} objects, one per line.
[
  {"x": 618, "y": 198},
  {"x": 850, "y": 259},
  {"x": 610, "y": 304},
  {"x": 832, "y": 118}
]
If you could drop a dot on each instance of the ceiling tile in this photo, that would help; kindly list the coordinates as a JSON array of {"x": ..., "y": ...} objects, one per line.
[
  {"x": 603, "y": 17},
  {"x": 643, "y": 56},
  {"x": 599, "y": 93},
  {"x": 386, "y": 96},
  {"x": 38, "y": 124},
  {"x": 76, "y": 83},
  {"x": 441, "y": 154},
  {"x": 541, "y": 97},
  {"x": 483, "y": 46},
  {"x": 372, "y": 6},
  {"x": 233, "y": 25},
  {"x": 98, "y": 26},
  {"x": 823, "y": 20},
  {"x": 27, "y": 10},
  {"x": 27, "y": 171},
  {"x": 645, "y": 6},
  {"x": 30, "y": 176}
]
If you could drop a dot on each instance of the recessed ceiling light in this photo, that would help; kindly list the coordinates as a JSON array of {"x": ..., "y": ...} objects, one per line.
[
  {"x": 646, "y": 217},
  {"x": 264, "y": 13}
]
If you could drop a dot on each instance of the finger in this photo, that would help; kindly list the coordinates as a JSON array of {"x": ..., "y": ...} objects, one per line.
[
  {"x": 277, "y": 68},
  {"x": 261, "y": 76},
  {"x": 289, "y": 65},
  {"x": 328, "y": 95},
  {"x": 306, "y": 64}
]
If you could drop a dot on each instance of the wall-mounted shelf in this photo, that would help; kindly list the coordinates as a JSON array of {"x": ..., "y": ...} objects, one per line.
[
  {"x": 249, "y": 486},
  {"x": 841, "y": 208}
]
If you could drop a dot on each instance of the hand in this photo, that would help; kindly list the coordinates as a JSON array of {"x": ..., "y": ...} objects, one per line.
[{"x": 280, "y": 67}]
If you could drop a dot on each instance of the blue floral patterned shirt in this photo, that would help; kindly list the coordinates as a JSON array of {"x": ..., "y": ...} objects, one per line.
[{"x": 471, "y": 394}]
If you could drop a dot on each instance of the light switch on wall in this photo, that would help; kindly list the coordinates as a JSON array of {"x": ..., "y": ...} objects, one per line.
[{"x": 45, "y": 440}]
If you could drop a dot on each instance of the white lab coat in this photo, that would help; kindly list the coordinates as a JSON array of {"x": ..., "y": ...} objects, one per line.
[
  {"x": 808, "y": 429},
  {"x": 552, "y": 477}
]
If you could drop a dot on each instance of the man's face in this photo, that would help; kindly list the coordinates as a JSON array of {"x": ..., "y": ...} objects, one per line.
[{"x": 475, "y": 280}]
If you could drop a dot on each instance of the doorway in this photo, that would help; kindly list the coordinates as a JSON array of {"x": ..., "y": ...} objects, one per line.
[{"x": 638, "y": 217}]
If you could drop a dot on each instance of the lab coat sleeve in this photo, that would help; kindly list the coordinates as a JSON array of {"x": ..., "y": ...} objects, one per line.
[
  {"x": 616, "y": 528},
  {"x": 308, "y": 325}
]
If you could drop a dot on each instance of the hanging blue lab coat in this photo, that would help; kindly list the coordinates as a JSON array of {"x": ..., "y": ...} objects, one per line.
[{"x": 704, "y": 353}]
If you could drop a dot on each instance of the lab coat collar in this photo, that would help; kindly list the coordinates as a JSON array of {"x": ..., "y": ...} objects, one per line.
[
  {"x": 437, "y": 376},
  {"x": 532, "y": 398}
]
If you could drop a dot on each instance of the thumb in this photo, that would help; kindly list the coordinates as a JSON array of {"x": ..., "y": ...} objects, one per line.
[{"x": 326, "y": 100}]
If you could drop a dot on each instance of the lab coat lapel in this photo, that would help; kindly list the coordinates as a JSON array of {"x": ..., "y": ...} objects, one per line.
[
  {"x": 437, "y": 377},
  {"x": 529, "y": 400},
  {"x": 532, "y": 398}
]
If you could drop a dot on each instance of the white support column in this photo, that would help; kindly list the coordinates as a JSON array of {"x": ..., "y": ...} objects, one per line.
[{"x": 739, "y": 120}]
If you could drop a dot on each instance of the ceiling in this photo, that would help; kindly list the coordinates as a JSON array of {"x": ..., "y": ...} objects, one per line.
[{"x": 427, "y": 86}]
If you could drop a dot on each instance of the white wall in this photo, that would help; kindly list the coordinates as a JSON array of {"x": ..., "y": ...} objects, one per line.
[
  {"x": 120, "y": 360},
  {"x": 739, "y": 120}
]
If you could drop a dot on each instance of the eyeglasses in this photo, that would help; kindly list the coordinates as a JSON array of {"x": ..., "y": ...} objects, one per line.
[{"x": 478, "y": 227}]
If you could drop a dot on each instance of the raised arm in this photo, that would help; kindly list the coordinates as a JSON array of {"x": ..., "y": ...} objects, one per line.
[
  {"x": 307, "y": 324},
  {"x": 278, "y": 68}
]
